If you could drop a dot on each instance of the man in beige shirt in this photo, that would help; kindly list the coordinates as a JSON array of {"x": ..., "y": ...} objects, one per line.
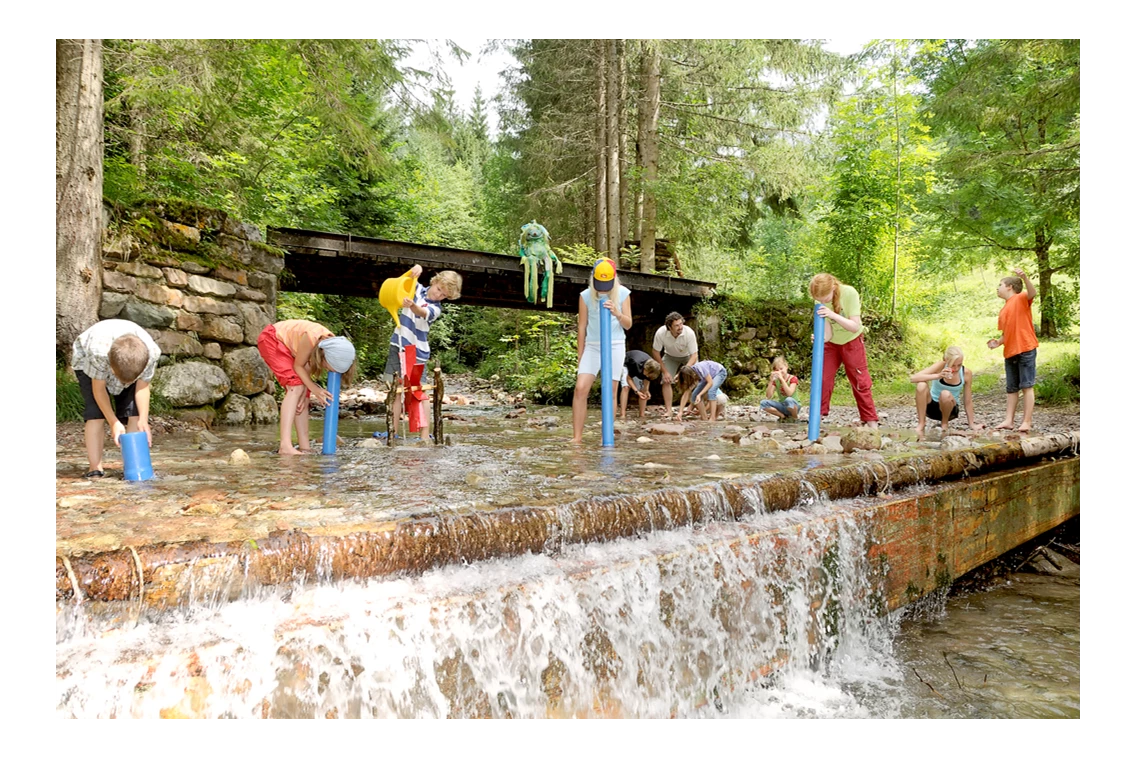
[{"x": 673, "y": 347}]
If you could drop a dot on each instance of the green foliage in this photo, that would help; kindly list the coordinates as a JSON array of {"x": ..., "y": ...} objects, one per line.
[
  {"x": 882, "y": 174},
  {"x": 1008, "y": 114},
  {"x": 1062, "y": 384},
  {"x": 1061, "y": 307},
  {"x": 68, "y": 398},
  {"x": 544, "y": 368}
]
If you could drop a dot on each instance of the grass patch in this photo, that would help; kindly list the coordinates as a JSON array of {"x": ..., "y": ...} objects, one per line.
[
  {"x": 1061, "y": 385},
  {"x": 68, "y": 399},
  {"x": 967, "y": 315}
]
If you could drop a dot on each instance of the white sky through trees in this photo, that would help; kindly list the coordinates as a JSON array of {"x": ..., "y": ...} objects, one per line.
[{"x": 485, "y": 69}]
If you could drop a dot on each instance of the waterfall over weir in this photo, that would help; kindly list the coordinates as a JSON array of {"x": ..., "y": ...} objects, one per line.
[
  {"x": 771, "y": 596},
  {"x": 700, "y": 621}
]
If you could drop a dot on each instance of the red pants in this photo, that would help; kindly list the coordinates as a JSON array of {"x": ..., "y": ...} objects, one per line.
[{"x": 852, "y": 354}]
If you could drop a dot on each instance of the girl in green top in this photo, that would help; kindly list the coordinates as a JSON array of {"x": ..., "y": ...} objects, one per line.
[{"x": 844, "y": 344}]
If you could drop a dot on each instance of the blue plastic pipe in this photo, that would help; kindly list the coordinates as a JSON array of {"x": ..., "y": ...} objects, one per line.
[
  {"x": 332, "y": 414},
  {"x": 607, "y": 411},
  {"x": 816, "y": 377}
]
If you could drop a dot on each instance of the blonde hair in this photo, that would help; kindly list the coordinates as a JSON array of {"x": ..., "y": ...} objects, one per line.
[
  {"x": 780, "y": 359},
  {"x": 823, "y": 284},
  {"x": 128, "y": 358},
  {"x": 450, "y": 282},
  {"x": 952, "y": 354},
  {"x": 651, "y": 369}
]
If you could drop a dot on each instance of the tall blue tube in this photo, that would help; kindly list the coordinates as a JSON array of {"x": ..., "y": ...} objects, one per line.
[
  {"x": 607, "y": 409},
  {"x": 332, "y": 414},
  {"x": 816, "y": 378}
]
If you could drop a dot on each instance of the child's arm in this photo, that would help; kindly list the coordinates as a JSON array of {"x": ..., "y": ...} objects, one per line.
[
  {"x": 1027, "y": 286},
  {"x": 103, "y": 400},
  {"x": 300, "y": 366},
  {"x": 581, "y": 327},
  {"x": 929, "y": 374},
  {"x": 971, "y": 421},
  {"x": 789, "y": 389},
  {"x": 142, "y": 401},
  {"x": 849, "y": 324},
  {"x": 770, "y": 387},
  {"x": 992, "y": 344}
]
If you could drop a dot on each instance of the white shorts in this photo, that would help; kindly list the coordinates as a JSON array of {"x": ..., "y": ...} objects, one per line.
[
  {"x": 637, "y": 382},
  {"x": 590, "y": 359}
]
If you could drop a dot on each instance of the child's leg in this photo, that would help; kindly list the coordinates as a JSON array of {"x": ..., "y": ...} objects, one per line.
[
  {"x": 1028, "y": 409},
  {"x": 1026, "y": 382},
  {"x": 771, "y": 407},
  {"x": 624, "y": 402},
  {"x": 921, "y": 406},
  {"x": 288, "y": 417},
  {"x": 643, "y": 400},
  {"x": 425, "y": 415},
  {"x": 93, "y": 435},
  {"x": 947, "y": 402},
  {"x": 580, "y": 404},
  {"x": 302, "y": 422},
  {"x": 1012, "y": 404},
  {"x": 792, "y": 408},
  {"x": 1011, "y": 367},
  {"x": 857, "y": 369},
  {"x": 832, "y": 361}
]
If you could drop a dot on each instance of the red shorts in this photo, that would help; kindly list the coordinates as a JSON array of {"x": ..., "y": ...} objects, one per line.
[{"x": 278, "y": 357}]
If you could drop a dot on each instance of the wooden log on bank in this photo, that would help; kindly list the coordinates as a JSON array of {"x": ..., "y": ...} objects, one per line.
[{"x": 221, "y": 570}]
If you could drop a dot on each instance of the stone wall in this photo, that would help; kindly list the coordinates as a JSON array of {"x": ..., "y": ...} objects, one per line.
[
  {"x": 747, "y": 338},
  {"x": 203, "y": 286}
]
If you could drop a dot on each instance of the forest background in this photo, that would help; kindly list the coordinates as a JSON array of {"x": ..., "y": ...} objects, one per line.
[{"x": 918, "y": 171}]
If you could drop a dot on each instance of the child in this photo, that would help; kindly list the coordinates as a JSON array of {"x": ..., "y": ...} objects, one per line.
[
  {"x": 844, "y": 344},
  {"x": 1020, "y": 346},
  {"x": 415, "y": 319},
  {"x": 710, "y": 376},
  {"x": 940, "y": 399},
  {"x": 618, "y": 308},
  {"x": 113, "y": 359},
  {"x": 639, "y": 370},
  {"x": 297, "y": 350},
  {"x": 785, "y": 384}
]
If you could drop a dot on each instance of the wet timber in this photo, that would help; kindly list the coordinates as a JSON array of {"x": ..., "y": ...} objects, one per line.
[
  {"x": 1000, "y": 495},
  {"x": 343, "y": 264}
]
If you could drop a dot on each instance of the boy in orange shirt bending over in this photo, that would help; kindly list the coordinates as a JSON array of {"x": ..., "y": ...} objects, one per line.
[{"x": 1020, "y": 345}]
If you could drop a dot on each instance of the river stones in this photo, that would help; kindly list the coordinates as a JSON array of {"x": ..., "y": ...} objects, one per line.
[
  {"x": 191, "y": 383},
  {"x": 238, "y": 458},
  {"x": 862, "y": 438},
  {"x": 666, "y": 429}
]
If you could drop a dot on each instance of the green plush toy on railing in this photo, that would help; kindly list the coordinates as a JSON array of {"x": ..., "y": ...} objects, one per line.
[{"x": 535, "y": 251}]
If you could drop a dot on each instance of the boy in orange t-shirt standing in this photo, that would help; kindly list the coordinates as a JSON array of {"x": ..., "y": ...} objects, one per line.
[{"x": 1020, "y": 345}]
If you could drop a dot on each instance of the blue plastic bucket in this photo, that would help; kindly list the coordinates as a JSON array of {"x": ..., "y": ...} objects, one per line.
[{"x": 135, "y": 457}]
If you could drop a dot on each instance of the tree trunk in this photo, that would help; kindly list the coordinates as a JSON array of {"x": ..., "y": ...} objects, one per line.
[
  {"x": 613, "y": 144},
  {"x": 1042, "y": 255},
  {"x": 649, "y": 137},
  {"x": 622, "y": 130},
  {"x": 78, "y": 188},
  {"x": 601, "y": 237}
]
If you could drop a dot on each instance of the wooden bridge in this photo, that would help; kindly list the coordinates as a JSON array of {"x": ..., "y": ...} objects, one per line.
[{"x": 342, "y": 264}]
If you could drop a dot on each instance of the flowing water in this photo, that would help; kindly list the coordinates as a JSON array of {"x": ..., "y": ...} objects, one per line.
[{"x": 771, "y": 616}]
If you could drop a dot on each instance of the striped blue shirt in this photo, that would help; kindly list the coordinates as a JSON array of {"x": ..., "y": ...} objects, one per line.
[{"x": 413, "y": 329}]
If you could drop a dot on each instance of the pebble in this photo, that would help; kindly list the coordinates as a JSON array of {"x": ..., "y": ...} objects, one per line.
[
  {"x": 238, "y": 458},
  {"x": 644, "y": 439}
]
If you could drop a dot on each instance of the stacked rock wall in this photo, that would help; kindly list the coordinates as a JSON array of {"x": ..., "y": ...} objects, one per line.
[{"x": 203, "y": 286}]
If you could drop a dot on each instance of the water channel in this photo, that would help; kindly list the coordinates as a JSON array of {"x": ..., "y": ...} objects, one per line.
[{"x": 657, "y": 625}]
